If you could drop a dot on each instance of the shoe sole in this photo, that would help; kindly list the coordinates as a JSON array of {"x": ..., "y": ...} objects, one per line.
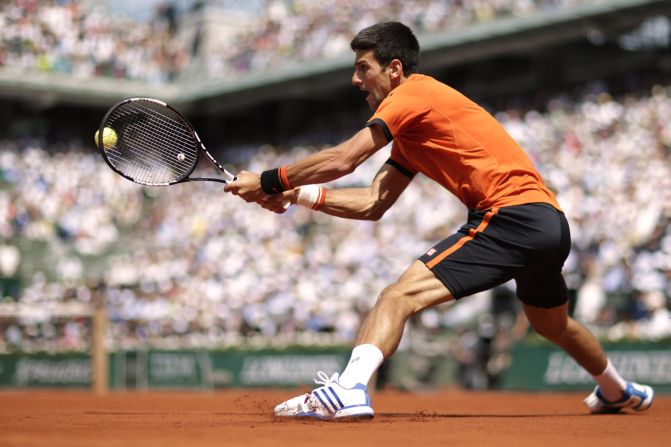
[
  {"x": 320, "y": 418},
  {"x": 356, "y": 418},
  {"x": 352, "y": 414}
]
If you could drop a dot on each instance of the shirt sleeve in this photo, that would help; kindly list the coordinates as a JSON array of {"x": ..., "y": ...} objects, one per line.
[
  {"x": 403, "y": 107},
  {"x": 398, "y": 160},
  {"x": 401, "y": 168}
]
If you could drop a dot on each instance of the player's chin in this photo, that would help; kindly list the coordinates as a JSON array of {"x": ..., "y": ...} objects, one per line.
[{"x": 373, "y": 103}]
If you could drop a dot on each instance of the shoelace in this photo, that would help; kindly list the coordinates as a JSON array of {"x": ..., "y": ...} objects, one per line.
[{"x": 323, "y": 379}]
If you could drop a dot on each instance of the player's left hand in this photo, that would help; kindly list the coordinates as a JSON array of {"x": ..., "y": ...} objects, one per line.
[
  {"x": 247, "y": 186},
  {"x": 279, "y": 203}
]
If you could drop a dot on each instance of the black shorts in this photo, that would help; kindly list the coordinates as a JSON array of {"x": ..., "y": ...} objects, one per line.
[{"x": 528, "y": 243}]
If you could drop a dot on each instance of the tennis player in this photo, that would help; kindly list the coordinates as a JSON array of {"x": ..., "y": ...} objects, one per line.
[{"x": 515, "y": 228}]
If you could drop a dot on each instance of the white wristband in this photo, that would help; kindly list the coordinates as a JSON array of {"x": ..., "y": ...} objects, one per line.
[{"x": 311, "y": 196}]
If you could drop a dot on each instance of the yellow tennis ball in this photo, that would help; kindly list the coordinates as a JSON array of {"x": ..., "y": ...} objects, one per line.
[{"x": 109, "y": 138}]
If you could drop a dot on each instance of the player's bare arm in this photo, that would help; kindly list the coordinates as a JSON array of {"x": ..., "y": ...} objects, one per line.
[
  {"x": 333, "y": 163},
  {"x": 321, "y": 167},
  {"x": 369, "y": 203}
]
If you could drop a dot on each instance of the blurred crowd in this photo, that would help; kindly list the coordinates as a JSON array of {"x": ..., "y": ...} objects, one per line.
[
  {"x": 192, "y": 266},
  {"x": 67, "y": 37},
  {"x": 85, "y": 39},
  {"x": 287, "y": 32}
]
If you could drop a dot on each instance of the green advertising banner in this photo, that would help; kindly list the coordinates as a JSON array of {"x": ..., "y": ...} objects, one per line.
[
  {"x": 44, "y": 370},
  {"x": 533, "y": 367},
  {"x": 178, "y": 369},
  {"x": 545, "y": 367},
  {"x": 183, "y": 369},
  {"x": 160, "y": 369},
  {"x": 231, "y": 368},
  {"x": 275, "y": 368}
]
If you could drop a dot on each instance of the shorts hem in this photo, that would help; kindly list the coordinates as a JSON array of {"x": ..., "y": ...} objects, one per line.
[
  {"x": 448, "y": 281},
  {"x": 542, "y": 305}
]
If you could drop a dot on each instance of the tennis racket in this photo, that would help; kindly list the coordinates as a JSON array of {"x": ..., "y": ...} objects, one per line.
[{"x": 154, "y": 144}]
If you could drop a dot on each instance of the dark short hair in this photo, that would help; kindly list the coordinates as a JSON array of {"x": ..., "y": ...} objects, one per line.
[{"x": 389, "y": 41}]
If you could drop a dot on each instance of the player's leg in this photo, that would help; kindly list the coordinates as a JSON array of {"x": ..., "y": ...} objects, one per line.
[
  {"x": 578, "y": 342},
  {"x": 612, "y": 393},
  {"x": 381, "y": 330},
  {"x": 416, "y": 289},
  {"x": 541, "y": 235},
  {"x": 458, "y": 266},
  {"x": 346, "y": 395}
]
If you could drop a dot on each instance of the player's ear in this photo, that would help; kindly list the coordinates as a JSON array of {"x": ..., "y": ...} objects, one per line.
[{"x": 396, "y": 69}]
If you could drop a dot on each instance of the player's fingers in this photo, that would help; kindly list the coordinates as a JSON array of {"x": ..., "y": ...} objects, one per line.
[
  {"x": 289, "y": 197},
  {"x": 241, "y": 191},
  {"x": 274, "y": 205},
  {"x": 283, "y": 209},
  {"x": 231, "y": 187}
]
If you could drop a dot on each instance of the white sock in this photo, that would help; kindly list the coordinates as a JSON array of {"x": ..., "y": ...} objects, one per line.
[
  {"x": 362, "y": 365},
  {"x": 611, "y": 383}
]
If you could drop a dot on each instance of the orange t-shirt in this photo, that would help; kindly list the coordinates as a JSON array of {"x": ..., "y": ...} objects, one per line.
[{"x": 444, "y": 135}]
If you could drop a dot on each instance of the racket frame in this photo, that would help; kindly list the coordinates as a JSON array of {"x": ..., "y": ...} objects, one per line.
[{"x": 186, "y": 178}]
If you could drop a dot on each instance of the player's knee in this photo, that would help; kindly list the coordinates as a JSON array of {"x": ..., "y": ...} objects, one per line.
[
  {"x": 393, "y": 297},
  {"x": 553, "y": 331}
]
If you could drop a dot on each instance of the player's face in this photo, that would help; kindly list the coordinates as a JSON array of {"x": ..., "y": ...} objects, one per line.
[{"x": 371, "y": 77}]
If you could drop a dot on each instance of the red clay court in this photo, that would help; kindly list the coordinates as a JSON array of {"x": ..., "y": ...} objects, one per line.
[{"x": 244, "y": 417}]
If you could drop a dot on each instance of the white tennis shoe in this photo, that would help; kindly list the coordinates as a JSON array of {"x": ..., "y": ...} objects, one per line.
[
  {"x": 331, "y": 401},
  {"x": 635, "y": 396}
]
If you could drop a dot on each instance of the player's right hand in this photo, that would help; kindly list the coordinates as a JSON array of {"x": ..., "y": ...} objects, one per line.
[{"x": 247, "y": 186}]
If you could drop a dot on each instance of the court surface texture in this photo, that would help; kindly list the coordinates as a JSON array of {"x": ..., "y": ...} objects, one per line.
[{"x": 244, "y": 418}]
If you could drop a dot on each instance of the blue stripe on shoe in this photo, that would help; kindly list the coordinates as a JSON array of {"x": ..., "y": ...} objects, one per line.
[
  {"x": 624, "y": 398},
  {"x": 364, "y": 388},
  {"x": 316, "y": 394},
  {"x": 323, "y": 391},
  {"x": 336, "y": 396}
]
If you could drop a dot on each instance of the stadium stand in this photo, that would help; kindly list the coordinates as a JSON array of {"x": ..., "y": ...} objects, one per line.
[
  {"x": 175, "y": 254},
  {"x": 192, "y": 267},
  {"x": 84, "y": 40}
]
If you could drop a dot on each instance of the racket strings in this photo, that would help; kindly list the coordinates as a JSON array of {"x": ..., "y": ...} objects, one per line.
[
  {"x": 156, "y": 133},
  {"x": 165, "y": 167},
  {"x": 147, "y": 166},
  {"x": 154, "y": 148}
]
